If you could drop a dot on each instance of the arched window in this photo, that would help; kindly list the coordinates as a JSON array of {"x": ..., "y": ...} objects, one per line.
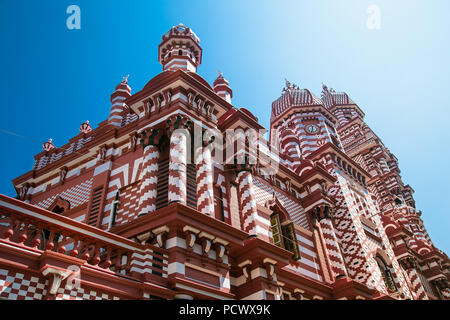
[
  {"x": 283, "y": 232},
  {"x": 386, "y": 274},
  {"x": 398, "y": 202},
  {"x": 180, "y": 52}
]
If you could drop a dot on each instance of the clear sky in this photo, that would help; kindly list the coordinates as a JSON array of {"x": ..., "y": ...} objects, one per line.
[{"x": 53, "y": 79}]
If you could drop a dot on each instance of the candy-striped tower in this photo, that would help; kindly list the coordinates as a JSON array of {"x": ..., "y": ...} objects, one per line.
[
  {"x": 118, "y": 97},
  {"x": 180, "y": 49},
  {"x": 222, "y": 88}
]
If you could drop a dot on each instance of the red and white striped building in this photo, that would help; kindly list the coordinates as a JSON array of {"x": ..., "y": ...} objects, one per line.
[{"x": 150, "y": 204}]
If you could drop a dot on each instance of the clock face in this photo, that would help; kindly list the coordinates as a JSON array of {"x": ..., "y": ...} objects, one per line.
[{"x": 312, "y": 128}]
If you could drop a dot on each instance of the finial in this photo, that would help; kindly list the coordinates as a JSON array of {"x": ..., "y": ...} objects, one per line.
[
  {"x": 289, "y": 86},
  {"x": 325, "y": 89},
  {"x": 85, "y": 127},
  {"x": 287, "y": 83},
  {"x": 220, "y": 74},
  {"x": 125, "y": 79},
  {"x": 181, "y": 24},
  {"x": 47, "y": 146}
]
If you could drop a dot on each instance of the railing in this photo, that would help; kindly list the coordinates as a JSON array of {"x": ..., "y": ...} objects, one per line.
[{"x": 40, "y": 230}]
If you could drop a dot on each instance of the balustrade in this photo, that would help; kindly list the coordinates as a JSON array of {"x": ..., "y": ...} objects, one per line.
[{"x": 99, "y": 249}]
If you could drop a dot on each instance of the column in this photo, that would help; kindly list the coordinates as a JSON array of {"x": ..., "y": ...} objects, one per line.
[
  {"x": 247, "y": 202},
  {"x": 205, "y": 191},
  {"x": 409, "y": 265},
  {"x": 177, "y": 167},
  {"x": 333, "y": 250},
  {"x": 148, "y": 190}
]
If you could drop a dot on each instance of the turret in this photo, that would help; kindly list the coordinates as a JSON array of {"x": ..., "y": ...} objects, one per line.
[
  {"x": 222, "y": 88},
  {"x": 180, "y": 49},
  {"x": 118, "y": 97}
]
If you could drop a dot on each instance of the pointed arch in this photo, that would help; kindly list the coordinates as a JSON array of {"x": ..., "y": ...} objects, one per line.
[{"x": 283, "y": 230}]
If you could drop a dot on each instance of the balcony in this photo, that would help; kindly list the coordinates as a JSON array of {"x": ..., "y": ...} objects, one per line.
[{"x": 34, "y": 240}]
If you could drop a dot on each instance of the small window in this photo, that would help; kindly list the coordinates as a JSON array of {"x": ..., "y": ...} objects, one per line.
[
  {"x": 180, "y": 52},
  {"x": 284, "y": 236},
  {"x": 386, "y": 274}
]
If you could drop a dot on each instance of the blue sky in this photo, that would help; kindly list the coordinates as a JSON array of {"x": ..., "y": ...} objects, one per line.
[{"x": 53, "y": 79}]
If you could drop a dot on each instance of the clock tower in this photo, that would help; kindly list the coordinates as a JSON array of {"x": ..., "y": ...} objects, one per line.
[{"x": 300, "y": 112}]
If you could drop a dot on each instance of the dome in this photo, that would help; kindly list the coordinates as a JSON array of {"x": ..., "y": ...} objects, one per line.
[
  {"x": 332, "y": 98},
  {"x": 180, "y": 31},
  {"x": 293, "y": 96}
]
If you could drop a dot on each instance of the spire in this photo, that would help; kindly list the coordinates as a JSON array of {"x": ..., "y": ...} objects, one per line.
[{"x": 222, "y": 87}]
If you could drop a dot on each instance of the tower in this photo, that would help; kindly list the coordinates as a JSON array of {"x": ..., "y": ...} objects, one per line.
[
  {"x": 397, "y": 211},
  {"x": 121, "y": 92},
  {"x": 222, "y": 88},
  {"x": 302, "y": 121},
  {"x": 180, "y": 49},
  {"x": 300, "y": 111}
]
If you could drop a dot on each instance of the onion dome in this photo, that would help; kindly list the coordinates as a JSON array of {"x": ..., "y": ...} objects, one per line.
[
  {"x": 222, "y": 88},
  {"x": 293, "y": 96},
  {"x": 85, "y": 127},
  {"x": 180, "y": 49},
  {"x": 47, "y": 146}
]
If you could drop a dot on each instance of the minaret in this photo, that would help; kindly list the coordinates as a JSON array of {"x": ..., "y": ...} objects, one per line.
[
  {"x": 118, "y": 97},
  {"x": 180, "y": 49},
  {"x": 222, "y": 88},
  {"x": 307, "y": 117}
]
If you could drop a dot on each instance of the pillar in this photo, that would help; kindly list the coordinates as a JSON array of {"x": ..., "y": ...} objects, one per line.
[
  {"x": 247, "y": 202},
  {"x": 205, "y": 191},
  {"x": 177, "y": 167},
  {"x": 331, "y": 243},
  {"x": 148, "y": 190}
]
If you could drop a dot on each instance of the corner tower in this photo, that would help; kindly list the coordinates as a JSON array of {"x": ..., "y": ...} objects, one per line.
[{"x": 306, "y": 118}]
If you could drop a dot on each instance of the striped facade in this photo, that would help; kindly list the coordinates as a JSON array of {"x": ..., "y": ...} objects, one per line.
[{"x": 146, "y": 210}]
